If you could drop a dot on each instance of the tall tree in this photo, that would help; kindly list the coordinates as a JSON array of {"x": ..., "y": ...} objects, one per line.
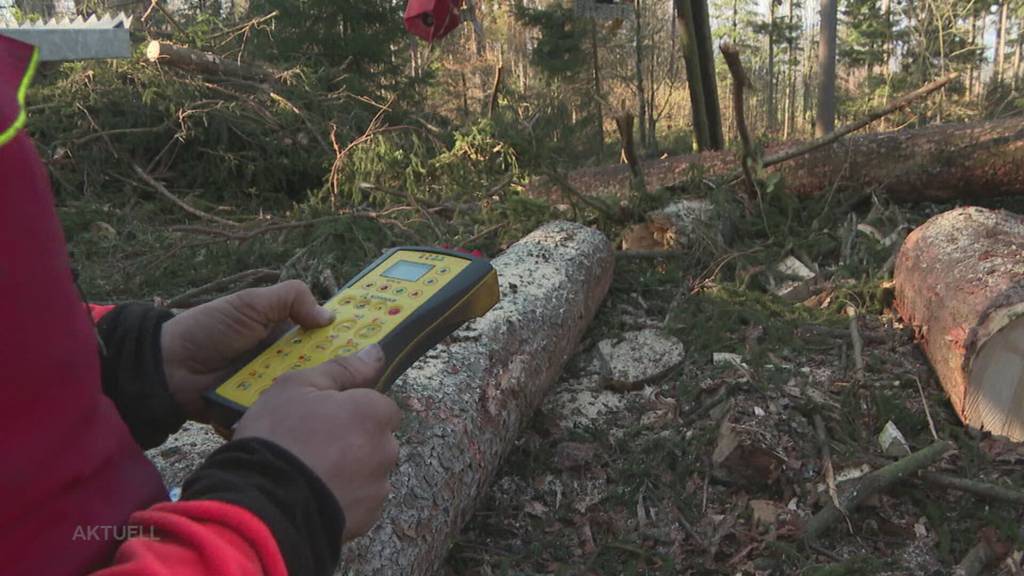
[
  {"x": 1001, "y": 41},
  {"x": 641, "y": 94},
  {"x": 825, "y": 119}
]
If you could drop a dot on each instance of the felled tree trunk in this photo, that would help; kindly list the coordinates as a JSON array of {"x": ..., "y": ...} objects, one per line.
[
  {"x": 935, "y": 163},
  {"x": 185, "y": 58},
  {"x": 960, "y": 283},
  {"x": 465, "y": 401},
  {"x": 464, "y": 404}
]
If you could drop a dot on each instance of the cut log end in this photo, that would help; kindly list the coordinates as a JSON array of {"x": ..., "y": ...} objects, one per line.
[
  {"x": 959, "y": 281},
  {"x": 153, "y": 51},
  {"x": 995, "y": 399}
]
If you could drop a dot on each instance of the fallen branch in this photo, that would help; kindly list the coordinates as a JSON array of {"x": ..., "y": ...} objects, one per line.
[
  {"x": 858, "y": 344},
  {"x": 872, "y": 484},
  {"x": 749, "y": 162},
  {"x": 649, "y": 253},
  {"x": 974, "y": 487},
  {"x": 572, "y": 193},
  {"x": 163, "y": 191},
  {"x": 826, "y": 464},
  {"x": 936, "y": 162},
  {"x": 870, "y": 117},
  {"x": 201, "y": 62},
  {"x": 242, "y": 280}
]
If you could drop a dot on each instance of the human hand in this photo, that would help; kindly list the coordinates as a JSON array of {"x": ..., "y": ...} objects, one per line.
[
  {"x": 329, "y": 418},
  {"x": 202, "y": 346}
]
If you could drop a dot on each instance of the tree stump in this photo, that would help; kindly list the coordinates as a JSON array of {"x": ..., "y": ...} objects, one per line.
[{"x": 960, "y": 283}]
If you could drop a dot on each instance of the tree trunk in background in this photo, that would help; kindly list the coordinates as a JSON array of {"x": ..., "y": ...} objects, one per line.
[
  {"x": 478, "y": 28},
  {"x": 1001, "y": 42},
  {"x": 971, "y": 67},
  {"x": 937, "y": 163},
  {"x": 709, "y": 81},
  {"x": 1016, "y": 55},
  {"x": 701, "y": 133},
  {"x": 641, "y": 94},
  {"x": 787, "y": 121},
  {"x": 826, "y": 116},
  {"x": 980, "y": 93},
  {"x": 597, "y": 87},
  {"x": 770, "y": 112}
]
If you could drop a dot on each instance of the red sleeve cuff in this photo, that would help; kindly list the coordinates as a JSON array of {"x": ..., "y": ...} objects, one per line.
[
  {"x": 198, "y": 537},
  {"x": 97, "y": 311}
]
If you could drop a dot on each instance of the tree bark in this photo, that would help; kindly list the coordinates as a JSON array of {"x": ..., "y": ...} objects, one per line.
[
  {"x": 709, "y": 81},
  {"x": 691, "y": 59},
  {"x": 465, "y": 401},
  {"x": 185, "y": 58},
  {"x": 934, "y": 163},
  {"x": 826, "y": 115},
  {"x": 771, "y": 68},
  {"x": 960, "y": 282},
  {"x": 597, "y": 87},
  {"x": 1001, "y": 41},
  {"x": 641, "y": 93}
]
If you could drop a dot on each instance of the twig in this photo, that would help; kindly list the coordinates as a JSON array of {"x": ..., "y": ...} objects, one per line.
[
  {"x": 107, "y": 133},
  {"x": 974, "y": 487},
  {"x": 739, "y": 82},
  {"x": 826, "y": 465},
  {"x": 872, "y": 484},
  {"x": 570, "y": 191},
  {"x": 872, "y": 116},
  {"x": 649, "y": 253},
  {"x": 247, "y": 278},
  {"x": 695, "y": 414},
  {"x": 858, "y": 344},
  {"x": 927, "y": 411},
  {"x": 160, "y": 188},
  {"x": 244, "y": 26},
  {"x": 476, "y": 237}
]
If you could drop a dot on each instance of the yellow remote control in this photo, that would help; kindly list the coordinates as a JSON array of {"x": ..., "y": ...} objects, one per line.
[{"x": 407, "y": 301}]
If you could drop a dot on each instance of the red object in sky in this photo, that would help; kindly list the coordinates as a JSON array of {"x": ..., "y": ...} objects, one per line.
[{"x": 432, "y": 19}]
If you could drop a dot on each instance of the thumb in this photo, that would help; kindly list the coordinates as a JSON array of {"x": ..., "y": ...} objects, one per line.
[{"x": 361, "y": 370}]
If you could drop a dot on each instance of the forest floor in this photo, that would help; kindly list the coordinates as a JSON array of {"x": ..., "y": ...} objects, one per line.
[{"x": 639, "y": 480}]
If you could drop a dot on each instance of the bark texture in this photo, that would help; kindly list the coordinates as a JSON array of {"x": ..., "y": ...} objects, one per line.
[
  {"x": 465, "y": 401},
  {"x": 203, "y": 62},
  {"x": 935, "y": 163},
  {"x": 959, "y": 282}
]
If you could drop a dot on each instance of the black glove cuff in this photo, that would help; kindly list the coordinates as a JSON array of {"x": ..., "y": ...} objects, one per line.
[
  {"x": 133, "y": 372},
  {"x": 272, "y": 483}
]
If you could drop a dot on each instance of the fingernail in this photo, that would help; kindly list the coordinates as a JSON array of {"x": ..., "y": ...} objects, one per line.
[
  {"x": 326, "y": 316},
  {"x": 372, "y": 354}
]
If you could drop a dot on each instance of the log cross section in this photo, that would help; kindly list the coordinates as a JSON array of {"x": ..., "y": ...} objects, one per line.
[{"x": 960, "y": 283}]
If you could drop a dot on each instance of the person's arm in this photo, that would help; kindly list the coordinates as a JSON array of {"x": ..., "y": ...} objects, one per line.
[{"x": 252, "y": 508}]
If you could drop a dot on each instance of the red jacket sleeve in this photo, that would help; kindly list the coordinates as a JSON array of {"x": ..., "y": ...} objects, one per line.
[{"x": 197, "y": 538}]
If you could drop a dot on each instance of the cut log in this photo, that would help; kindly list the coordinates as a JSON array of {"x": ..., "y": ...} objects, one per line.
[
  {"x": 186, "y": 58},
  {"x": 960, "y": 282},
  {"x": 465, "y": 401},
  {"x": 935, "y": 163}
]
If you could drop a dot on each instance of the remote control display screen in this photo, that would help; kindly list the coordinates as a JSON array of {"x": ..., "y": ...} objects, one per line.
[{"x": 408, "y": 271}]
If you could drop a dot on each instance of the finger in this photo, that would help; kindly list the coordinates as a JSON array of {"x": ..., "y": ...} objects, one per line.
[
  {"x": 291, "y": 300},
  {"x": 362, "y": 370}
]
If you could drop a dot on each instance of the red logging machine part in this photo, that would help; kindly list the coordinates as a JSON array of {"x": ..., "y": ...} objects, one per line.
[{"x": 432, "y": 19}]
